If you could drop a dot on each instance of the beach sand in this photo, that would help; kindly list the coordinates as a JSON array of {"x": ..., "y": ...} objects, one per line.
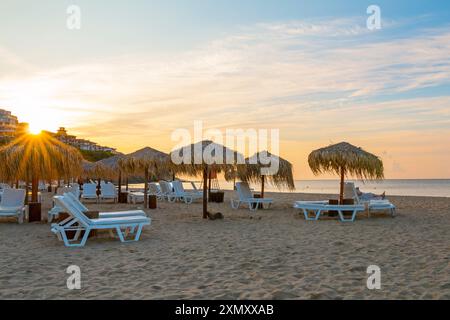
[{"x": 270, "y": 254}]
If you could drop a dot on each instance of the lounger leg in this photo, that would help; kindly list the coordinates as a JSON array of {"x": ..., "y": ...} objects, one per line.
[
  {"x": 20, "y": 217},
  {"x": 393, "y": 212},
  {"x": 119, "y": 233},
  {"x": 85, "y": 237},
  {"x": 316, "y": 215},
  {"x": 253, "y": 208},
  {"x": 77, "y": 234},
  {"x": 235, "y": 204},
  {"x": 343, "y": 219},
  {"x": 138, "y": 234}
]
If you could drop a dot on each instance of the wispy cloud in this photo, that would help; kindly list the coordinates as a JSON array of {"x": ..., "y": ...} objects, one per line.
[{"x": 296, "y": 76}]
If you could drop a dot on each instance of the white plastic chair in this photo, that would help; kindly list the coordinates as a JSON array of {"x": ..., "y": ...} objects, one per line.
[
  {"x": 89, "y": 192},
  {"x": 13, "y": 204},
  {"x": 108, "y": 192}
]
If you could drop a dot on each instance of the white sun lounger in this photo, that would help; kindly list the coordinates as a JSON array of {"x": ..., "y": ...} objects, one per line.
[
  {"x": 318, "y": 208},
  {"x": 136, "y": 197},
  {"x": 124, "y": 226},
  {"x": 108, "y": 192},
  {"x": 13, "y": 204},
  {"x": 112, "y": 214},
  {"x": 166, "y": 189},
  {"x": 81, "y": 207},
  {"x": 155, "y": 190},
  {"x": 180, "y": 194},
  {"x": 89, "y": 192},
  {"x": 246, "y": 196}
]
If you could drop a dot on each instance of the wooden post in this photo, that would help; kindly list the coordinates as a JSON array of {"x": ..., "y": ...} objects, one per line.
[
  {"x": 145, "y": 188},
  {"x": 263, "y": 179},
  {"x": 126, "y": 182},
  {"x": 120, "y": 182},
  {"x": 34, "y": 189},
  {"x": 209, "y": 184},
  {"x": 26, "y": 192},
  {"x": 341, "y": 194},
  {"x": 205, "y": 193}
]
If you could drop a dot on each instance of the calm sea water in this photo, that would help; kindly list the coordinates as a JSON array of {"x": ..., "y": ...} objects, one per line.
[{"x": 417, "y": 187}]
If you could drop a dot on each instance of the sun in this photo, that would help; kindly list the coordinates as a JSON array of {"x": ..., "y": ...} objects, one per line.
[{"x": 35, "y": 128}]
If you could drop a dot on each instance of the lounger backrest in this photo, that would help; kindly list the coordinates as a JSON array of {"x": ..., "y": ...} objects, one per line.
[
  {"x": 108, "y": 189},
  {"x": 350, "y": 192},
  {"x": 154, "y": 188},
  {"x": 13, "y": 198},
  {"x": 243, "y": 191},
  {"x": 166, "y": 188},
  {"x": 90, "y": 189},
  {"x": 4, "y": 186},
  {"x": 77, "y": 202},
  {"x": 63, "y": 190},
  {"x": 178, "y": 187},
  {"x": 63, "y": 202}
]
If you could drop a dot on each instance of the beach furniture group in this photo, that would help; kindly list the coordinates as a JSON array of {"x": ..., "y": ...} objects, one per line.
[
  {"x": 371, "y": 205},
  {"x": 127, "y": 226},
  {"x": 313, "y": 210}
]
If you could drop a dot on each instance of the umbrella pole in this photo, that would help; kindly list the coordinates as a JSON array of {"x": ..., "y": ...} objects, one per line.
[
  {"x": 205, "y": 193},
  {"x": 262, "y": 186},
  {"x": 34, "y": 189},
  {"x": 26, "y": 192},
  {"x": 341, "y": 193},
  {"x": 209, "y": 185},
  {"x": 145, "y": 188},
  {"x": 120, "y": 182}
]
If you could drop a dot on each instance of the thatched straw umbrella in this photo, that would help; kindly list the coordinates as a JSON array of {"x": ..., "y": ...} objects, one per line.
[
  {"x": 345, "y": 159},
  {"x": 147, "y": 161},
  {"x": 256, "y": 165},
  {"x": 202, "y": 158},
  {"x": 34, "y": 157}
]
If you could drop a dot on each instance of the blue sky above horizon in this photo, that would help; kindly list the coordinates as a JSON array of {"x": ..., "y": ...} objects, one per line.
[{"x": 292, "y": 65}]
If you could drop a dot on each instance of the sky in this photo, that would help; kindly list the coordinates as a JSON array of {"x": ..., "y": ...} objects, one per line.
[{"x": 137, "y": 71}]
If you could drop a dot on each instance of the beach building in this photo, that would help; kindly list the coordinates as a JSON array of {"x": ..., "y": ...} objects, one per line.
[
  {"x": 81, "y": 144},
  {"x": 8, "y": 124}
]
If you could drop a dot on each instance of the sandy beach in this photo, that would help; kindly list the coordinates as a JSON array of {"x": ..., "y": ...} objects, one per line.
[{"x": 270, "y": 254}]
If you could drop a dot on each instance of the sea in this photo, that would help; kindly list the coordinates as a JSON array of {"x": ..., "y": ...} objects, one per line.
[{"x": 394, "y": 187}]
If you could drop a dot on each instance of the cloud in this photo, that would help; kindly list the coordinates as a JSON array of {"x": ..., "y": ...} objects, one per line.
[{"x": 297, "y": 76}]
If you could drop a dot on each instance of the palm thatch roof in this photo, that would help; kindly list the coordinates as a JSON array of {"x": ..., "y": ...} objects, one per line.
[
  {"x": 253, "y": 171},
  {"x": 196, "y": 157},
  {"x": 157, "y": 162},
  {"x": 39, "y": 156},
  {"x": 343, "y": 156},
  {"x": 31, "y": 158},
  {"x": 96, "y": 170},
  {"x": 113, "y": 162}
]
